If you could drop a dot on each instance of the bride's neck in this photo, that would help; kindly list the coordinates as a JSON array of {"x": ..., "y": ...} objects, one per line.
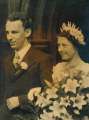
[{"x": 75, "y": 61}]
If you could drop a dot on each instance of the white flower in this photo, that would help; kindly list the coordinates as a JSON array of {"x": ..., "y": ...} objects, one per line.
[
  {"x": 71, "y": 85},
  {"x": 51, "y": 93},
  {"x": 24, "y": 65},
  {"x": 34, "y": 92},
  {"x": 76, "y": 112},
  {"x": 87, "y": 95},
  {"x": 64, "y": 101},
  {"x": 78, "y": 101},
  {"x": 42, "y": 101},
  {"x": 66, "y": 117},
  {"x": 57, "y": 109},
  {"x": 47, "y": 116}
]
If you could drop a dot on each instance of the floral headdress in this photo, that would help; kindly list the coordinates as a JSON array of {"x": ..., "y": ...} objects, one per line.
[{"x": 73, "y": 31}]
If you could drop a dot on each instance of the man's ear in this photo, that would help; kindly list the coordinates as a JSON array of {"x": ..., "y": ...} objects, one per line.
[{"x": 28, "y": 32}]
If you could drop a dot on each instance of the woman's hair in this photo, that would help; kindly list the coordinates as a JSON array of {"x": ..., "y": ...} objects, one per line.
[{"x": 70, "y": 38}]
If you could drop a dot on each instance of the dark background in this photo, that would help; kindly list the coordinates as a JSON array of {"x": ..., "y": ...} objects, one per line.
[{"x": 47, "y": 16}]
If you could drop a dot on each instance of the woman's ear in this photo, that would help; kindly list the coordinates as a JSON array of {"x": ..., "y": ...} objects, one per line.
[{"x": 28, "y": 32}]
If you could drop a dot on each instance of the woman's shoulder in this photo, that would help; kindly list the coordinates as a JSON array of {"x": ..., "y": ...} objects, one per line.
[
  {"x": 59, "y": 66},
  {"x": 84, "y": 67}
]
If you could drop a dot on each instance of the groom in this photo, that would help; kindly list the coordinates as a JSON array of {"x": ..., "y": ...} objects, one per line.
[{"x": 26, "y": 67}]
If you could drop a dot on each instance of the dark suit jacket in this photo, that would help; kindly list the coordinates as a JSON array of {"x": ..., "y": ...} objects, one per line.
[{"x": 19, "y": 82}]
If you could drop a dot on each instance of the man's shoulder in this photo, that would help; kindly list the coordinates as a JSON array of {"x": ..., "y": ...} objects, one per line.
[{"x": 39, "y": 54}]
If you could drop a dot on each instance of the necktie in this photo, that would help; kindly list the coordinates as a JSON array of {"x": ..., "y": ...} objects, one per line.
[{"x": 16, "y": 60}]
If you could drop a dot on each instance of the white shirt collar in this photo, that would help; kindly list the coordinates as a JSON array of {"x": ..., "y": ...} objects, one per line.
[{"x": 23, "y": 51}]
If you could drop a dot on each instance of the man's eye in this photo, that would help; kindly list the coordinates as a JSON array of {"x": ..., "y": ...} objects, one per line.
[
  {"x": 58, "y": 45},
  {"x": 65, "y": 45},
  {"x": 7, "y": 32},
  {"x": 14, "y": 32}
]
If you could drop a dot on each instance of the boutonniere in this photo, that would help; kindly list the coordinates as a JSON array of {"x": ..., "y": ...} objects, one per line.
[{"x": 23, "y": 65}]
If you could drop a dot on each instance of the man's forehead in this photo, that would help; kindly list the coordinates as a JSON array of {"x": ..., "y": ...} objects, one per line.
[{"x": 16, "y": 23}]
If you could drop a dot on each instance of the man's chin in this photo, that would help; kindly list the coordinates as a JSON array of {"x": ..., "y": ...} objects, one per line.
[
  {"x": 13, "y": 47},
  {"x": 65, "y": 59}
]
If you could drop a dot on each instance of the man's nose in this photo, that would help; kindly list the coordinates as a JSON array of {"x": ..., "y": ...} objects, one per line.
[
  {"x": 60, "y": 48},
  {"x": 10, "y": 37}
]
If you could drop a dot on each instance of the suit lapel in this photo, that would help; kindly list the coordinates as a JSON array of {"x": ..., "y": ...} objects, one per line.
[
  {"x": 9, "y": 67},
  {"x": 28, "y": 60}
]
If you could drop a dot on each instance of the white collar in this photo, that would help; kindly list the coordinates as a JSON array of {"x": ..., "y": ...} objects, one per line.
[{"x": 23, "y": 51}]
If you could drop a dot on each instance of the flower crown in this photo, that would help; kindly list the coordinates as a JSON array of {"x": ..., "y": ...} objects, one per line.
[{"x": 73, "y": 31}]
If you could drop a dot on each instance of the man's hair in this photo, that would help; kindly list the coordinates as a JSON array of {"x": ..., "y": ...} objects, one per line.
[{"x": 27, "y": 22}]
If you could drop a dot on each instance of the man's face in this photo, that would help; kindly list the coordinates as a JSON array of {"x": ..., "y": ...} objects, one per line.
[
  {"x": 15, "y": 34},
  {"x": 65, "y": 48}
]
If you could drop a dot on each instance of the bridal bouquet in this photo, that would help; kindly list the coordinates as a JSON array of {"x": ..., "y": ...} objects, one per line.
[{"x": 66, "y": 100}]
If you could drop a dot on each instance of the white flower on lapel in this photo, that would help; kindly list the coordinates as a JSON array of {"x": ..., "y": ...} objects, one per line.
[{"x": 24, "y": 65}]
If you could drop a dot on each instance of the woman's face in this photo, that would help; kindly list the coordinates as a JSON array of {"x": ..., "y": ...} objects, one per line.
[{"x": 65, "y": 48}]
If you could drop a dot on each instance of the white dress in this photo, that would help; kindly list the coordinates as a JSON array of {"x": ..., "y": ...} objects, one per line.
[{"x": 60, "y": 70}]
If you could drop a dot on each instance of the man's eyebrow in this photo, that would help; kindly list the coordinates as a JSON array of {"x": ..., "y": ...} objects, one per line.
[
  {"x": 6, "y": 31},
  {"x": 13, "y": 31}
]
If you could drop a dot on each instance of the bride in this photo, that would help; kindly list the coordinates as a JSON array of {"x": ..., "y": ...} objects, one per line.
[
  {"x": 68, "y": 97},
  {"x": 68, "y": 41}
]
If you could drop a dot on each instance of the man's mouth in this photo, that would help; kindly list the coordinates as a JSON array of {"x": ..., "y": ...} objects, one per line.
[{"x": 12, "y": 43}]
